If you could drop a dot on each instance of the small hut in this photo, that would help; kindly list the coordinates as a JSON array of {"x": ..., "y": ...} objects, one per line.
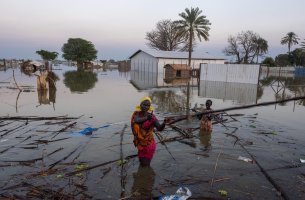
[
  {"x": 173, "y": 71},
  {"x": 88, "y": 65}
]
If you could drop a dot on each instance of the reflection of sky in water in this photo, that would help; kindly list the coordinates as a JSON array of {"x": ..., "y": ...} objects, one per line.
[{"x": 113, "y": 98}]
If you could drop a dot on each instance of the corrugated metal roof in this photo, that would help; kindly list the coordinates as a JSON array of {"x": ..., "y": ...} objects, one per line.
[{"x": 177, "y": 55}]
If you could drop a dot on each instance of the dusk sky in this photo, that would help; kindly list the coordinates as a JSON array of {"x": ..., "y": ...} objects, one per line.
[{"x": 117, "y": 28}]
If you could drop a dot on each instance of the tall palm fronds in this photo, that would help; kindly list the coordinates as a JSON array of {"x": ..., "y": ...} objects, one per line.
[
  {"x": 191, "y": 25},
  {"x": 260, "y": 47},
  {"x": 290, "y": 39}
]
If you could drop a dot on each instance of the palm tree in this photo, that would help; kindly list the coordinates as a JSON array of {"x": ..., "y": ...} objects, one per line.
[
  {"x": 261, "y": 47},
  {"x": 191, "y": 25},
  {"x": 290, "y": 39}
]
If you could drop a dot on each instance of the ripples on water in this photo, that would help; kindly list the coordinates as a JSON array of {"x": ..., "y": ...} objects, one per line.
[{"x": 274, "y": 134}]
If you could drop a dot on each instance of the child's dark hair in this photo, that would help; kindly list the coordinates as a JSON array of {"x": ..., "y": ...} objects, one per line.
[{"x": 209, "y": 101}]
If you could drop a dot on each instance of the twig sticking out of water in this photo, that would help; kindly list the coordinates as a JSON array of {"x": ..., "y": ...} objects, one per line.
[
  {"x": 16, "y": 82},
  {"x": 123, "y": 174}
]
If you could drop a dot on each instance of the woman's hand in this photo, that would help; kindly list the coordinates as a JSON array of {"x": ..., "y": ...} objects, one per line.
[{"x": 149, "y": 116}]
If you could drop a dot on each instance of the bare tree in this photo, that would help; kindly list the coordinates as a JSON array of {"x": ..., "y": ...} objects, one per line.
[
  {"x": 245, "y": 46},
  {"x": 233, "y": 49},
  {"x": 165, "y": 37}
]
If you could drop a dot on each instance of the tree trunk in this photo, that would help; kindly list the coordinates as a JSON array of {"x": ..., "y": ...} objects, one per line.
[
  {"x": 80, "y": 65},
  {"x": 188, "y": 83},
  {"x": 46, "y": 63}
]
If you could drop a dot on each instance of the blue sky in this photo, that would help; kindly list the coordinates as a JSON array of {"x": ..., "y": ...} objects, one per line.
[{"x": 117, "y": 28}]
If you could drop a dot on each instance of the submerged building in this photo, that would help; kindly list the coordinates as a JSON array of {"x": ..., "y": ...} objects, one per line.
[{"x": 151, "y": 67}]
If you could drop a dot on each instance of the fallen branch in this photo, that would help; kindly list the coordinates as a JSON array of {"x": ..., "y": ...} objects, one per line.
[
  {"x": 268, "y": 177},
  {"x": 64, "y": 129},
  {"x": 33, "y": 118},
  {"x": 163, "y": 143},
  {"x": 183, "y": 117},
  {"x": 15, "y": 145},
  {"x": 64, "y": 158},
  {"x": 215, "y": 167},
  {"x": 46, "y": 141},
  {"x": 59, "y": 149},
  {"x": 7, "y": 132},
  {"x": 180, "y": 130},
  {"x": 99, "y": 165}
]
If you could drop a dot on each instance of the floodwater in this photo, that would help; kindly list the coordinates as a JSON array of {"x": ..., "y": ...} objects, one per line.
[{"x": 36, "y": 156}]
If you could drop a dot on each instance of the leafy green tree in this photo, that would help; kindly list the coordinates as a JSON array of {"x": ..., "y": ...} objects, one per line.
[
  {"x": 269, "y": 61},
  {"x": 80, "y": 81},
  {"x": 191, "y": 25},
  {"x": 298, "y": 56},
  {"x": 47, "y": 56},
  {"x": 282, "y": 60},
  {"x": 246, "y": 46},
  {"x": 79, "y": 50},
  {"x": 290, "y": 39}
]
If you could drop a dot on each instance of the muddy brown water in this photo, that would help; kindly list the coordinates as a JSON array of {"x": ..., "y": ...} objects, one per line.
[{"x": 38, "y": 155}]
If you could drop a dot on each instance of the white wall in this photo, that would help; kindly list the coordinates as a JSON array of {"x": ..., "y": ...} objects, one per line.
[
  {"x": 195, "y": 64},
  {"x": 233, "y": 73},
  {"x": 143, "y": 62}
]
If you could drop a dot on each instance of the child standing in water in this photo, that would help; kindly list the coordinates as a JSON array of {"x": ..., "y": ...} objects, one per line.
[
  {"x": 206, "y": 119},
  {"x": 143, "y": 122}
]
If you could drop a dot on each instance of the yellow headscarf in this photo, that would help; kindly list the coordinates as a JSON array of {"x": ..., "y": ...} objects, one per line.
[{"x": 138, "y": 107}]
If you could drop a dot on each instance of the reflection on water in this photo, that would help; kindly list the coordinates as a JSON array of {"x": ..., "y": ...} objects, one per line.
[
  {"x": 143, "y": 182},
  {"x": 43, "y": 96},
  {"x": 243, "y": 93},
  {"x": 168, "y": 100},
  {"x": 112, "y": 96},
  {"x": 80, "y": 81},
  {"x": 143, "y": 80},
  {"x": 284, "y": 87},
  {"x": 205, "y": 139}
]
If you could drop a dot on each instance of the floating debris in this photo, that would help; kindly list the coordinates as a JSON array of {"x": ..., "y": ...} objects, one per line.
[
  {"x": 245, "y": 159},
  {"x": 81, "y": 166},
  {"x": 182, "y": 193},
  {"x": 122, "y": 162},
  {"x": 223, "y": 192}
]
